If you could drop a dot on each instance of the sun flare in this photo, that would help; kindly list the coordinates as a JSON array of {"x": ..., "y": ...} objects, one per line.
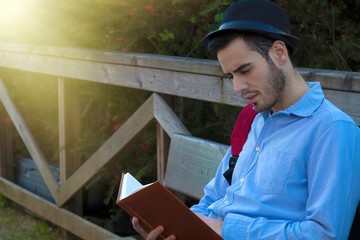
[{"x": 14, "y": 11}]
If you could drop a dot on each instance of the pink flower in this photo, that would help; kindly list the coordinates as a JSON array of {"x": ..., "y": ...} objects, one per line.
[{"x": 321, "y": 15}]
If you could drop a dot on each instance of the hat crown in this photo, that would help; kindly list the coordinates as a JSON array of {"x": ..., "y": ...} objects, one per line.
[
  {"x": 262, "y": 17},
  {"x": 262, "y": 11}
]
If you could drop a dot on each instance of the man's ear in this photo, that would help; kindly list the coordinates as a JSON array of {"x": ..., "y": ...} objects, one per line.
[{"x": 280, "y": 52}]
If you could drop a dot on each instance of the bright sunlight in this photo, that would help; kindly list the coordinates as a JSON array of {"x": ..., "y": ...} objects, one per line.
[{"x": 12, "y": 11}]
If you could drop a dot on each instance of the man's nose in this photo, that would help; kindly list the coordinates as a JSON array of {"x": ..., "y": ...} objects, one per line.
[{"x": 239, "y": 84}]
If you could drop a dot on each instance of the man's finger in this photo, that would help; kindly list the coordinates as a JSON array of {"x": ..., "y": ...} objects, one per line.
[{"x": 136, "y": 225}]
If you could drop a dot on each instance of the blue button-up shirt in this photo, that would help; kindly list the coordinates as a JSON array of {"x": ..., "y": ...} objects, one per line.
[{"x": 297, "y": 177}]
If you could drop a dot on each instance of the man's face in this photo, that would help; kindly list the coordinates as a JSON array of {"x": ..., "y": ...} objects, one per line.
[{"x": 256, "y": 79}]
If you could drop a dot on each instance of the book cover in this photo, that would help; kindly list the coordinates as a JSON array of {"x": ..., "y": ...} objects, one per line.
[{"x": 155, "y": 205}]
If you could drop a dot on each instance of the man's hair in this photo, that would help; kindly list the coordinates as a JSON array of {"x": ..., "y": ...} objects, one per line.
[{"x": 254, "y": 41}]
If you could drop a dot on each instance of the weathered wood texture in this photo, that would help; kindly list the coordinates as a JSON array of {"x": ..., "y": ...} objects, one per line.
[
  {"x": 69, "y": 135},
  {"x": 185, "y": 77},
  {"x": 153, "y": 108},
  {"x": 6, "y": 145},
  {"x": 192, "y": 163}
]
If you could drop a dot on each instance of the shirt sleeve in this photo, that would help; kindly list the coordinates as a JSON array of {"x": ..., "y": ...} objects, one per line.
[
  {"x": 215, "y": 189},
  {"x": 333, "y": 193}
]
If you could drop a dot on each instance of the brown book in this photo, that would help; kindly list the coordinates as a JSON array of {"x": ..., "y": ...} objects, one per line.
[{"x": 155, "y": 205}]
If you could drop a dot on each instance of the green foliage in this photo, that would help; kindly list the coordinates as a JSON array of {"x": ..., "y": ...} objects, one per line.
[
  {"x": 329, "y": 30},
  {"x": 3, "y": 201},
  {"x": 329, "y": 33},
  {"x": 14, "y": 224}
]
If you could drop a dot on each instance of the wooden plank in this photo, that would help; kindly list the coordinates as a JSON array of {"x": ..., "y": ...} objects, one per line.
[
  {"x": 162, "y": 146},
  {"x": 336, "y": 80},
  {"x": 332, "y": 79},
  {"x": 121, "y": 69},
  {"x": 69, "y": 127},
  {"x": 6, "y": 145},
  {"x": 104, "y": 154},
  {"x": 60, "y": 217},
  {"x": 167, "y": 118},
  {"x": 191, "y": 85},
  {"x": 349, "y": 102},
  {"x": 192, "y": 163},
  {"x": 29, "y": 140},
  {"x": 163, "y": 139},
  {"x": 190, "y": 65},
  {"x": 69, "y": 134}
]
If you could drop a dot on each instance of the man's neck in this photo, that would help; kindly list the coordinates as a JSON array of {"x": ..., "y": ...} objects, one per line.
[{"x": 294, "y": 89}]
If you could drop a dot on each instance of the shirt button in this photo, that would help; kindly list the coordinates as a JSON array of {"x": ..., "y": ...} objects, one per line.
[
  {"x": 242, "y": 180},
  {"x": 226, "y": 202},
  {"x": 258, "y": 149}
]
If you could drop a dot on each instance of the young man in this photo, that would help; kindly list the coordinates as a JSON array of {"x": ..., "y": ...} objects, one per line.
[{"x": 297, "y": 176}]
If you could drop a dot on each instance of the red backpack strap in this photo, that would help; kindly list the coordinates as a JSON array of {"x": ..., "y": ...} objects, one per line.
[{"x": 239, "y": 137}]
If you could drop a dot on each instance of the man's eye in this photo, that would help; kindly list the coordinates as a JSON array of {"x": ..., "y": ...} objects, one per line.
[
  {"x": 228, "y": 76},
  {"x": 245, "y": 71}
]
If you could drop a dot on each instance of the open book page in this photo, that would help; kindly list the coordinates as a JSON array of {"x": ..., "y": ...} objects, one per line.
[{"x": 129, "y": 185}]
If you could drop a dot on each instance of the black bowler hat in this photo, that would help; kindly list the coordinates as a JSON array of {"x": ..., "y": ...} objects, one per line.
[{"x": 258, "y": 16}]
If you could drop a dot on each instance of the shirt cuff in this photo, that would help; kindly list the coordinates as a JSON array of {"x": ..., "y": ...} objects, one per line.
[{"x": 235, "y": 226}]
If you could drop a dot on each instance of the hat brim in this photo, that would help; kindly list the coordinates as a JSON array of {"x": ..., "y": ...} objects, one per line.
[{"x": 255, "y": 27}]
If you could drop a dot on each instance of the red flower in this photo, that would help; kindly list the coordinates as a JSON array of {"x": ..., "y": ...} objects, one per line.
[
  {"x": 150, "y": 9},
  {"x": 119, "y": 39},
  {"x": 7, "y": 120},
  {"x": 145, "y": 146},
  {"x": 321, "y": 15},
  {"x": 132, "y": 13},
  {"x": 101, "y": 129},
  {"x": 115, "y": 119},
  {"x": 116, "y": 127}
]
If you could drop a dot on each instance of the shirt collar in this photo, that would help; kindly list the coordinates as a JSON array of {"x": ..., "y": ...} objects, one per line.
[{"x": 307, "y": 104}]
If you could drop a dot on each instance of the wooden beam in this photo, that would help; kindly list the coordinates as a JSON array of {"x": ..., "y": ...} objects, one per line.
[
  {"x": 331, "y": 79},
  {"x": 6, "y": 145},
  {"x": 29, "y": 141},
  {"x": 69, "y": 134},
  {"x": 58, "y": 216},
  {"x": 186, "y": 77},
  {"x": 162, "y": 146},
  {"x": 105, "y": 153},
  {"x": 191, "y": 85},
  {"x": 166, "y": 117},
  {"x": 69, "y": 127},
  {"x": 163, "y": 139},
  {"x": 192, "y": 163}
]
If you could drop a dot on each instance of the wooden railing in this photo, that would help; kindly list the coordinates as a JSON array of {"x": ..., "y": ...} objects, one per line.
[{"x": 182, "y": 77}]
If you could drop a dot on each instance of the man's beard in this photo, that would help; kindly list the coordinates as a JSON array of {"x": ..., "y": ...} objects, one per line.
[{"x": 273, "y": 90}]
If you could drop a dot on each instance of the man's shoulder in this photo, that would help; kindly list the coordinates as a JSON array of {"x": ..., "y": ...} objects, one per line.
[{"x": 329, "y": 111}]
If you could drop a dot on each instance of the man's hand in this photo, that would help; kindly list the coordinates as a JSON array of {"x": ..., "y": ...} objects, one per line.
[
  {"x": 215, "y": 224},
  {"x": 153, "y": 235}
]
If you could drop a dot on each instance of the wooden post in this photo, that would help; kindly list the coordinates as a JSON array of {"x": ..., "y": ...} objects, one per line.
[
  {"x": 163, "y": 143},
  {"x": 163, "y": 140},
  {"x": 69, "y": 132},
  {"x": 6, "y": 146}
]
